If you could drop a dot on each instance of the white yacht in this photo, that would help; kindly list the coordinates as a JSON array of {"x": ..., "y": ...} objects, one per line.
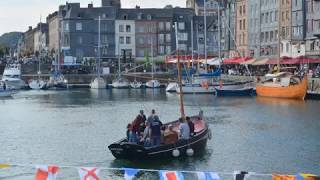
[
  {"x": 120, "y": 83},
  {"x": 37, "y": 84},
  {"x": 12, "y": 76},
  {"x": 98, "y": 83},
  {"x": 135, "y": 84},
  {"x": 153, "y": 84}
]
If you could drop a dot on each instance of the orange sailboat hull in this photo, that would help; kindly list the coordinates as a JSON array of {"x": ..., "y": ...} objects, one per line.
[{"x": 298, "y": 91}]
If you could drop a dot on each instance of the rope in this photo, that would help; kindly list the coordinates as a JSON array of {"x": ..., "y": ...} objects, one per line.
[{"x": 148, "y": 170}]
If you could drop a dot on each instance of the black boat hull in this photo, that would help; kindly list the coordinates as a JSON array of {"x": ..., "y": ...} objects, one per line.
[{"x": 130, "y": 151}]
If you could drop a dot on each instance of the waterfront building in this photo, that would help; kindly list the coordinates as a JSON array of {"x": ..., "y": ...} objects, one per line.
[
  {"x": 79, "y": 28},
  {"x": 312, "y": 28},
  {"x": 125, "y": 36},
  {"x": 53, "y": 33},
  {"x": 242, "y": 28},
  {"x": 269, "y": 15},
  {"x": 292, "y": 28},
  {"x": 40, "y": 38},
  {"x": 228, "y": 28},
  {"x": 254, "y": 28},
  {"x": 29, "y": 41},
  {"x": 198, "y": 6}
]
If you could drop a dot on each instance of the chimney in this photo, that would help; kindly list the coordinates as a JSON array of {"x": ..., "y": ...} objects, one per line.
[
  {"x": 137, "y": 7},
  {"x": 90, "y": 5},
  {"x": 30, "y": 28}
]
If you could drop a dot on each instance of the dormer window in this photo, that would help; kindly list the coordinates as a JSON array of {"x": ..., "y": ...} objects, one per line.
[
  {"x": 149, "y": 17},
  {"x": 125, "y": 17},
  {"x": 139, "y": 17}
]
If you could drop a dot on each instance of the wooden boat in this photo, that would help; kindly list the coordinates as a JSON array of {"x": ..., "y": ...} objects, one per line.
[
  {"x": 246, "y": 91},
  {"x": 132, "y": 151},
  {"x": 283, "y": 85},
  {"x": 178, "y": 148}
]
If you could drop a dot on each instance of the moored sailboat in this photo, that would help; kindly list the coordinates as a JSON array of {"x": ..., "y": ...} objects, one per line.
[{"x": 283, "y": 85}]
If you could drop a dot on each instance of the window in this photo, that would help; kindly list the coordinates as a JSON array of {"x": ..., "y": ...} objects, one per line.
[
  {"x": 128, "y": 28},
  {"x": 79, "y": 26},
  {"x": 168, "y": 37},
  {"x": 267, "y": 37},
  {"x": 121, "y": 40},
  {"x": 128, "y": 40},
  {"x": 161, "y": 50},
  {"x": 121, "y": 28},
  {"x": 79, "y": 40},
  {"x": 240, "y": 24},
  {"x": 161, "y": 38},
  {"x": 104, "y": 39},
  {"x": 271, "y": 36},
  {"x": 244, "y": 10},
  {"x": 141, "y": 40},
  {"x": 276, "y": 16},
  {"x": 182, "y": 36},
  {"x": 181, "y": 26},
  {"x": 168, "y": 26},
  {"x": 168, "y": 49},
  {"x": 161, "y": 26},
  {"x": 244, "y": 24},
  {"x": 66, "y": 27}
]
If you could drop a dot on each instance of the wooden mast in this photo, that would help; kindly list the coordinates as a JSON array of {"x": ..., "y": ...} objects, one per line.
[{"x": 179, "y": 73}]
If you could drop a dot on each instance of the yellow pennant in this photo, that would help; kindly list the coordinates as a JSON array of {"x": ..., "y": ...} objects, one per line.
[{"x": 4, "y": 166}]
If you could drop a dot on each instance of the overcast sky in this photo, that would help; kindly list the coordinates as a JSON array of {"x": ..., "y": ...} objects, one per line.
[{"x": 17, "y": 15}]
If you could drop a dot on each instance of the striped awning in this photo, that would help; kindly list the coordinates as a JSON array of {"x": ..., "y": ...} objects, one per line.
[{"x": 260, "y": 61}]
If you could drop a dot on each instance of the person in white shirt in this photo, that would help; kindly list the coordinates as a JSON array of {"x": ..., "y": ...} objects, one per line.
[{"x": 184, "y": 130}]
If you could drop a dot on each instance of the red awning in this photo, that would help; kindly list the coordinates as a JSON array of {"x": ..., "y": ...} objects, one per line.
[{"x": 236, "y": 60}]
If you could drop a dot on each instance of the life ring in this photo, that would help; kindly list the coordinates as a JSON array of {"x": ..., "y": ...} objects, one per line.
[{"x": 190, "y": 152}]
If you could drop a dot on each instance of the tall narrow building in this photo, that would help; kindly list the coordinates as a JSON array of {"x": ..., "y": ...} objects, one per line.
[{"x": 242, "y": 28}]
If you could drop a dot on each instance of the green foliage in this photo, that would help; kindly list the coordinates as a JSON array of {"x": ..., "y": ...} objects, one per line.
[
  {"x": 3, "y": 50},
  {"x": 10, "y": 39}
]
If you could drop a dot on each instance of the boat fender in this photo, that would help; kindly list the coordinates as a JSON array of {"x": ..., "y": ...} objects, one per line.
[
  {"x": 190, "y": 152},
  {"x": 176, "y": 153},
  {"x": 210, "y": 134}
]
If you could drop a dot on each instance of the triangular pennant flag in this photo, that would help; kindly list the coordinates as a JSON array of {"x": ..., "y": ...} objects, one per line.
[
  {"x": 171, "y": 175},
  {"x": 129, "y": 173},
  {"x": 207, "y": 176},
  {"x": 46, "y": 172},
  {"x": 241, "y": 175},
  {"x": 89, "y": 173},
  {"x": 303, "y": 176},
  {"x": 283, "y": 177},
  {"x": 4, "y": 166}
]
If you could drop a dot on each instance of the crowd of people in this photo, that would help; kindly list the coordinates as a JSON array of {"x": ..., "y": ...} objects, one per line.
[{"x": 151, "y": 132}]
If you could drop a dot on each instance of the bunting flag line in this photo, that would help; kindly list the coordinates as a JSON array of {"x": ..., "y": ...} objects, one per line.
[
  {"x": 130, "y": 173},
  {"x": 241, "y": 175},
  {"x": 303, "y": 176},
  {"x": 46, "y": 172},
  {"x": 170, "y": 175},
  {"x": 89, "y": 173},
  {"x": 2, "y": 166},
  {"x": 207, "y": 176}
]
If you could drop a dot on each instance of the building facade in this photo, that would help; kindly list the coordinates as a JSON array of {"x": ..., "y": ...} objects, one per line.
[
  {"x": 242, "y": 28},
  {"x": 228, "y": 28},
  {"x": 41, "y": 38},
  {"x": 254, "y": 44},
  {"x": 312, "y": 28},
  {"x": 269, "y": 18},
  {"x": 53, "y": 33}
]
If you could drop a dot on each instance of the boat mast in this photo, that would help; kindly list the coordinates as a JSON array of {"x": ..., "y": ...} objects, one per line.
[
  {"x": 279, "y": 37},
  {"x": 119, "y": 55},
  {"x": 192, "y": 43},
  {"x": 152, "y": 58},
  {"x": 219, "y": 34},
  {"x": 205, "y": 33},
  {"x": 198, "y": 50},
  {"x": 40, "y": 49},
  {"x": 179, "y": 73},
  {"x": 99, "y": 46}
]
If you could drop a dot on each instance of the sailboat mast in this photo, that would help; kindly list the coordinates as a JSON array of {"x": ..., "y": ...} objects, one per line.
[
  {"x": 205, "y": 33},
  {"x": 119, "y": 55},
  {"x": 179, "y": 73},
  {"x": 219, "y": 33},
  {"x": 40, "y": 49},
  {"x": 152, "y": 58},
  {"x": 192, "y": 43},
  {"x": 99, "y": 46},
  {"x": 279, "y": 41}
]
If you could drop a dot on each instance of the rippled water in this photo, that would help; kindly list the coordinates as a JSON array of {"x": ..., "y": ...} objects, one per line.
[{"x": 74, "y": 127}]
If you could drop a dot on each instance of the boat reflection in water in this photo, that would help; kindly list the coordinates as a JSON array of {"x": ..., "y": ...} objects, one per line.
[{"x": 279, "y": 101}]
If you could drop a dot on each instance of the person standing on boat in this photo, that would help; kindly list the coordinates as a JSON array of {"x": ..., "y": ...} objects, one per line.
[
  {"x": 4, "y": 86},
  {"x": 145, "y": 139},
  {"x": 184, "y": 130},
  {"x": 191, "y": 125},
  {"x": 155, "y": 127},
  {"x": 141, "y": 119}
]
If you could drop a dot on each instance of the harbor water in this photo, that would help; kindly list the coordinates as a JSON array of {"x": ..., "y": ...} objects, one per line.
[{"x": 74, "y": 128}]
